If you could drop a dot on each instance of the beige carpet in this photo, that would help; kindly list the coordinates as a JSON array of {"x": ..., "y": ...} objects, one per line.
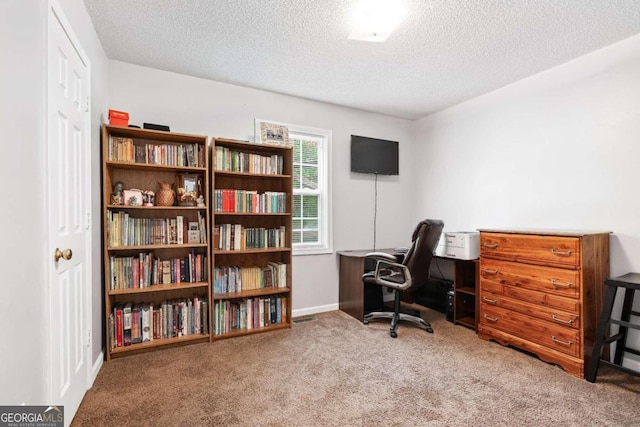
[{"x": 335, "y": 371}]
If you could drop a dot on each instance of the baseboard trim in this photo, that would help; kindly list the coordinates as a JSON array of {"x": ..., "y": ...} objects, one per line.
[
  {"x": 96, "y": 368},
  {"x": 314, "y": 310},
  {"x": 631, "y": 364}
]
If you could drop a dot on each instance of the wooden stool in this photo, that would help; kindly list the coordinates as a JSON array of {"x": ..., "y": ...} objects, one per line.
[{"x": 629, "y": 283}]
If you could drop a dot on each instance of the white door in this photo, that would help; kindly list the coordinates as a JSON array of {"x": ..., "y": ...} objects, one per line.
[{"x": 67, "y": 190}]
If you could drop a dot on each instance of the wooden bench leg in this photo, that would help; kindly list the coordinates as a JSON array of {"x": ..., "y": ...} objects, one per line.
[
  {"x": 626, "y": 317},
  {"x": 601, "y": 334}
]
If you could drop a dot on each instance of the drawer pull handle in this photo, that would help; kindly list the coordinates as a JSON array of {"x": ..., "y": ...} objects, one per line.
[
  {"x": 487, "y": 271},
  {"x": 490, "y": 301},
  {"x": 490, "y": 245},
  {"x": 557, "y": 319},
  {"x": 491, "y": 319},
  {"x": 561, "y": 253},
  {"x": 554, "y": 282},
  {"x": 567, "y": 343}
]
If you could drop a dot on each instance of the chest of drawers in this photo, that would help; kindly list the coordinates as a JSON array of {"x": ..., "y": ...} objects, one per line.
[{"x": 542, "y": 290}]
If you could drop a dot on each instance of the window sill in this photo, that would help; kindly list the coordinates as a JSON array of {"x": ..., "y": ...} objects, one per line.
[{"x": 311, "y": 251}]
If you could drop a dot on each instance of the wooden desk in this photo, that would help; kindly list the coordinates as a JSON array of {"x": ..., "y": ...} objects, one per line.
[{"x": 351, "y": 290}]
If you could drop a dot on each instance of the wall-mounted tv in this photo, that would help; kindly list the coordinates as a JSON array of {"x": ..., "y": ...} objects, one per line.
[{"x": 371, "y": 155}]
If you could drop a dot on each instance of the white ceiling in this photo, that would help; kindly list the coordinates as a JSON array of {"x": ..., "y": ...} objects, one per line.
[{"x": 442, "y": 53}]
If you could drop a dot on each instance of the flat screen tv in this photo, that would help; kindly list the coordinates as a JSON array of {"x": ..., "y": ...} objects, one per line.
[{"x": 371, "y": 155}]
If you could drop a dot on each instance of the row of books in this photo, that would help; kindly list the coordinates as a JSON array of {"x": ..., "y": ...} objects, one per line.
[
  {"x": 229, "y": 279},
  {"x": 131, "y": 324},
  {"x": 182, "y": 155},
  {"x": 143, "y": 270},
  {"x": 250, "y": 313},
  {"x": 235, "y": 237},
  {"x": 125, "y": 230},
  {"x": 229, "y": 160},
  {"x": 230, "y": 200}
]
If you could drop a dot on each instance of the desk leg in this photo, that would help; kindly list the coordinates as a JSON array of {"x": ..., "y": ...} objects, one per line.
[{"x": 351, "y": 289}]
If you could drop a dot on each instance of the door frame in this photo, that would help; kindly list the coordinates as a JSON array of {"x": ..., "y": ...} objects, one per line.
[{"x": 53, "y": 7}]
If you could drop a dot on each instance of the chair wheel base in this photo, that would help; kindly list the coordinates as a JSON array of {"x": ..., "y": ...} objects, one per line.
[{"x": 395, "y": 318}]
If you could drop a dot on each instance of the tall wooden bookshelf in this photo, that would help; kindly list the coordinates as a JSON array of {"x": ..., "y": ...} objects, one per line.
[
  {"x": 252, "y": 196},
  {"x": 156, "y": 273}
]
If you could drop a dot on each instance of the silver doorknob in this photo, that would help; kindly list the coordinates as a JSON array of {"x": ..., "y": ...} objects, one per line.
[{"x": 66, "y": 254}]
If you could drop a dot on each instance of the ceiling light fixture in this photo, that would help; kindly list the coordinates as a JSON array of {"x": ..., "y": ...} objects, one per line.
[{"x": 375, "y": 20}]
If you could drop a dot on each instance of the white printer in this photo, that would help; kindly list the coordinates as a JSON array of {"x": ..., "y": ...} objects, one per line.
[{"x": 459, "y": 245}]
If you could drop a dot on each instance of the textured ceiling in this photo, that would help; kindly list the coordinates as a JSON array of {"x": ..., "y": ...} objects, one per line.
[{"x": 442, "y": 53}]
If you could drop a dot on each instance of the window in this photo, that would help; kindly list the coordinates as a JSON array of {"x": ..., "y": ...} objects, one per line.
[{"x": 311, "y": 188}]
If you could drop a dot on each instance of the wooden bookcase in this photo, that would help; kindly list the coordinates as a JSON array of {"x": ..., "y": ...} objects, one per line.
[
  {"x": 153, "y": 267},
  {"x": 252, "y": 196}
]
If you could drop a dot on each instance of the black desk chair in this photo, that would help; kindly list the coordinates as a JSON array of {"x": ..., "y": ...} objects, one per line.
[{"x": 412, "y": 273}]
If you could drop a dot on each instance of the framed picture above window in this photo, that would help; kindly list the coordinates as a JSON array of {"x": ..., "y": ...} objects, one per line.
[{"x": 272, "y": 133}]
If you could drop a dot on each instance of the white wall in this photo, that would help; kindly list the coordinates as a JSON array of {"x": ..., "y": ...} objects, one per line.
[
  {"x": 557, "y": 150},
  {"x": 23, "y": 257},
  {"x": 192, "y": 105},
  {"x": 22, "y": 297}
]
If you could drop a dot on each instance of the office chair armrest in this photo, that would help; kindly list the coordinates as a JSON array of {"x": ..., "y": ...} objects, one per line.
[
  {"x": 381, "y": 256},
  {"x": 386, "y": 270}
]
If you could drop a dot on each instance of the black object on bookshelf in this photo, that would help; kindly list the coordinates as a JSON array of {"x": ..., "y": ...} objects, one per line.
[{"x": 153, "y": 126}]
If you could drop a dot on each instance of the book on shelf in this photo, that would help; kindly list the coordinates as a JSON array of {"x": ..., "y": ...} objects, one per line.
[
  {"x": 193, "y": 233},
  {"x": 228, "y": 160},
  {"x": 248, "y": 313},
  {"x": 125, "y": 230},
  {"x": 173, "y": 231},
  {"x": 267, "y": 274},
  {"x": 126, "y": 330},
  {"x": 234, "y": 237},
  {"x": 136, "y": 332},
  {"x": 144, "y": 270},
  {"x": 230, "y": 279},
  {"x": 170, "y": 319},
  {"x": 112, "y": 327},
  {"x": 180, "y": 229},
  {"x": 273, "y": 318},
  {"x": 124, "y": 149},
  {"x": 216, "y": 237},
  {"x": 202, "y": 228},
  {"x": 284, "y": 310},
  {"x": 249, "y": 201},
  {"x": 119, "y": 323},
  {"x": 146, "y": 311}
]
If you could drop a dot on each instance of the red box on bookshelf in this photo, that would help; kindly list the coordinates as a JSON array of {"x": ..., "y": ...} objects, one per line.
[{"x": 118, "y": 118}]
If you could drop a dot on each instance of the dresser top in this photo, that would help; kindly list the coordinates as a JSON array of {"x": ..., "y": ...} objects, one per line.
[{"x": 543, "y": 231}]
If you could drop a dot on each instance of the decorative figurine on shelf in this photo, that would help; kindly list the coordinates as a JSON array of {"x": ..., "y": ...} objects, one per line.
[
  {"x": 117, "y": 197},
  {"x": 200, "y": 202},
  {"x": 186, "y": 198},
  {"x": 187, "y": 189},
  {"x": 133, "y": 201},
  {"x": 133, "y": 197},
  {"x": 165, "y": 196},
  {"x": 148, "y": 198}
]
